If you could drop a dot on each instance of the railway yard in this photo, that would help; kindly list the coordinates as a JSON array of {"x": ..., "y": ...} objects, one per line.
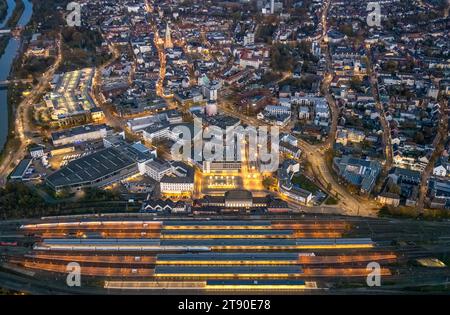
[{"x": 276, "y": 254}]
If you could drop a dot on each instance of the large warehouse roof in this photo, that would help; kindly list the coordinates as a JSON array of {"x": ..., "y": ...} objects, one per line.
[{"x": 90, "y": 168}]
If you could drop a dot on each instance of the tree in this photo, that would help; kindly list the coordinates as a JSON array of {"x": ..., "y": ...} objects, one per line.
[
  {"x": 264, "y": 33},
  {"x": 269, "y": 77},
  {"x": 390, "y": 66},
  {"x": 395, "y": 189},
  {"x": 269, "y": 182},
  {"x": 281, "y": 58},
  {"x": 97, "y": 194},
  {"x": 355, "y": 83},
  {"x": 419, "y": 138},
  {"x": 347, "y": 29},
  {"x": 19, "y": 201}
]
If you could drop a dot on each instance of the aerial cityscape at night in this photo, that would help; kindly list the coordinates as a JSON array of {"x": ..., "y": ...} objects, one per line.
[{"x": 204, "y": 147}]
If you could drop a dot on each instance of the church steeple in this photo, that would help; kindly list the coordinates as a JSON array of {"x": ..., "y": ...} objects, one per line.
[{"x": 168, "y": 41}]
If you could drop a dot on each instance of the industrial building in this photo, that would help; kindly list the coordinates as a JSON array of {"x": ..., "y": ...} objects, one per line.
[
  {"x": 21, "y": 169},
  {"x": 100, "y": 169},
  {"x": 79, "y": 134}
]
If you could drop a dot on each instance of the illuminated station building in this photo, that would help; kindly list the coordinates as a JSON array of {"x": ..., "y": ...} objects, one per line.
[
  {"x": 204, "y": 255},
  {"x": 233, "y": 200}
]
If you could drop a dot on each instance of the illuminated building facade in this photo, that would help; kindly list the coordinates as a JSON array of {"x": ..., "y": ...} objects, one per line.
[{"x": 179, "y": 181}]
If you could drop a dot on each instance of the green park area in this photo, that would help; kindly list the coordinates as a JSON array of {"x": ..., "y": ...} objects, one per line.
[{"x": 304, "y": 183}]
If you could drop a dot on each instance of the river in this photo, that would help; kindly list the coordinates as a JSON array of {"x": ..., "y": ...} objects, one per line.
[
  {"x": 11, "y": 6},
  {"x": 6, "y": 62}
]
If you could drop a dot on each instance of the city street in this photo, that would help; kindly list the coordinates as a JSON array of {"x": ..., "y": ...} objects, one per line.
[{"x": 22, "y": 123}]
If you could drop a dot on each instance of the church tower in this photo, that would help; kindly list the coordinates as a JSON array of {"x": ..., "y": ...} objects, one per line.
[{"x": 168, "y": 41}]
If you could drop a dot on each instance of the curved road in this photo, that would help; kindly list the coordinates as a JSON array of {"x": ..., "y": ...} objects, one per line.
[{"x": 22, "y": 124}]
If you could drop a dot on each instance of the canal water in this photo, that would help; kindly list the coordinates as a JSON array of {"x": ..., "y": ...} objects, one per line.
[{"x": 6, "y": 61}]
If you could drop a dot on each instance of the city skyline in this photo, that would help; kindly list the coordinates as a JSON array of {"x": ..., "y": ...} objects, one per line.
[{"x": 296, "y": 146}]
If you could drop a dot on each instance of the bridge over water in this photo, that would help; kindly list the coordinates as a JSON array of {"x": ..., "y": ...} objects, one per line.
[{"x": 5, "y": 83}]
